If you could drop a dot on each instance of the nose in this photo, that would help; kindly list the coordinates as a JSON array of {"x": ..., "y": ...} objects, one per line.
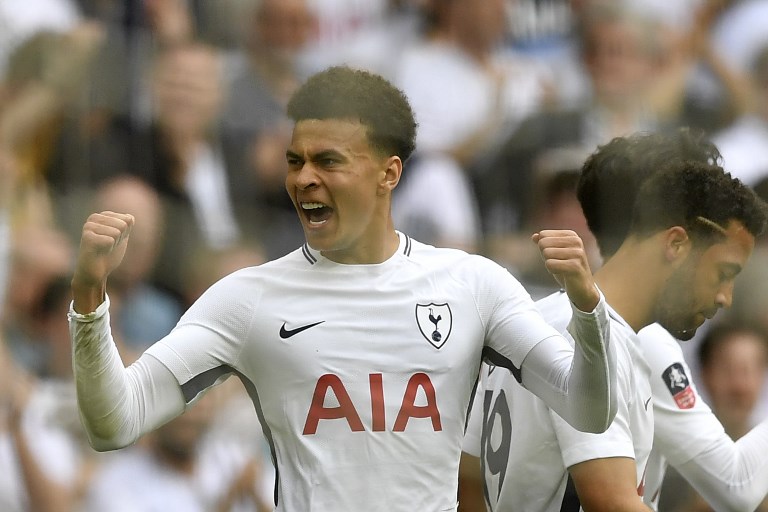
[
  {"x": 724, "y": 297},
  {"x": 306, "y": 176}
]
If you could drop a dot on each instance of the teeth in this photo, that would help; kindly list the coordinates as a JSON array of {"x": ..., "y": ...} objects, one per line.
[{"x": 312, "y": 206}]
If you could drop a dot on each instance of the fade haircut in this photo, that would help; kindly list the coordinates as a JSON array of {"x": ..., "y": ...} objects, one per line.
[
  {"x": 702, "y": 198},
  {"x": 341, "y": 92},
  {"x": 612, "y": 175}
]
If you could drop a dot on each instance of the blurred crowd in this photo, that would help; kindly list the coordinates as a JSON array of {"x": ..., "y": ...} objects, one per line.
[{"x": 173, "y": 110}]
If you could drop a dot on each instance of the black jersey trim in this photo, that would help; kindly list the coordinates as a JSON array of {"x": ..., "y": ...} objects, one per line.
[
  {"x": 250, "y": 388},
  {"x": 198, "y": 383},
  {"x": 308, "y": 255},
  {"x": 570, "y": 502},
  {"x": 471, "y": 403},
  {"x": 492, "y": 357},
  {"x": 407, "y": 249}
]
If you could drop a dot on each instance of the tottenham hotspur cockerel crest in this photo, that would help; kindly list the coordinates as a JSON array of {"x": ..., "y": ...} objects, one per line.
[{"x": 435, "y": 322}]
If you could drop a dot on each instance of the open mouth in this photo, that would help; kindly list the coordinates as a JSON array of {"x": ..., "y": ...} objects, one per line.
[{"x": 316, "y": 213}]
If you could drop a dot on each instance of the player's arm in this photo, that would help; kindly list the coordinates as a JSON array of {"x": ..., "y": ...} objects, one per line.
[
  {"x": 470, "y": 471},
  {"x": 731, "y": 475},
  {"x": 470, "y": 484},
  {"x": 607, "y": 485},
  {"x": 580, "y": 384},
  {"x": 117, "y": 404},
  {"x": 728, "y": 475}
]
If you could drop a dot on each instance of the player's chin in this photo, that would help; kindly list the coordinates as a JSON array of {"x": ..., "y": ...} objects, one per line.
[
  {"x": 685, "y": 334},
  {"x": 319, "y": 238}
]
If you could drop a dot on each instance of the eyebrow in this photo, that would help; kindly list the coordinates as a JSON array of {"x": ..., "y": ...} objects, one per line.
[
  {"x": 712, "y": 224},
  {"x": 734, "y": 268},
  {"x": 317, "y": 156}
]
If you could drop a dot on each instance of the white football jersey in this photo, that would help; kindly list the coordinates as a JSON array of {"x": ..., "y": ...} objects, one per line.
[
  {"x": 684, "y": 425},
  {"x": 525, "y": 448},
  {"x": 361, "y": 375}
]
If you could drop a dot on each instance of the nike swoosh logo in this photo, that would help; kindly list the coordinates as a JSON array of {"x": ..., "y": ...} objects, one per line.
[
  {"x": 646, "y": 402},
  {"x": 287, "y": 333}
]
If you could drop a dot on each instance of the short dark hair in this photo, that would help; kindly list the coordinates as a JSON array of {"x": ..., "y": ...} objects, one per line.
[
  {"x": 611, "y": 177},
  {"x": 341, "y": 92},
  {"x": 695, "y": 195}
]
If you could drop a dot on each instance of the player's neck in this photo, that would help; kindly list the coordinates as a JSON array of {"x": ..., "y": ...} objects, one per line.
[
  {"x": 370, "y": 251},
  {"x": 631, "y": 281}
]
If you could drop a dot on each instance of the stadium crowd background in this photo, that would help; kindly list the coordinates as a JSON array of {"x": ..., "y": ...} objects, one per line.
[{"x": 173, "y": 110}]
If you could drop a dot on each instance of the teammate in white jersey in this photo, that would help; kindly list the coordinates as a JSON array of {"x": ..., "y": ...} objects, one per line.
[
  {"x": 360, "y": 350},
  {"x": 693, "y": 229},
  {"x": 729, "y": 475}
]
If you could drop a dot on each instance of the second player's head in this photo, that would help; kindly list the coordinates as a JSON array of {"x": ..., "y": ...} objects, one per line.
[
  {"x": 702, "y": 225},
  {"x": 611, "y": 178}
]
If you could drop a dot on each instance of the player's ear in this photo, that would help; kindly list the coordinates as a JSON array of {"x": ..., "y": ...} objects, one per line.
[
  {"x": 390, "y": 174},
  {"x": 677, "y": 244}
]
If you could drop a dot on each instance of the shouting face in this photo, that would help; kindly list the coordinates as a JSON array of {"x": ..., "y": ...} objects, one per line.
[{"x": 341, "y": 188}]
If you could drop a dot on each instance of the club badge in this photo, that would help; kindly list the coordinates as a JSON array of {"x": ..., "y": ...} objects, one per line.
[{"x": 435, "y": 322}]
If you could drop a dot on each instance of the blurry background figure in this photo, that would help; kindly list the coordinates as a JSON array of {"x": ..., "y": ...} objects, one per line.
[
  {"x": 734, "y": 362},
  {"x": 40, "y": 256},
  {"x": 554, "y": 204},
  {"x": 744, "y": 144},
  {"x": 734, "y": 365},
  {"x": 38, "y": 458},
  {"x": 20, "y": 20},
  {"x": 180, "y": 155},
  {"x": 694, "y": 84},
  {"x": 205, "y": 267},
  {"x": 8, "y": 179},
  {"x": 181, "y": 467},
  {"x": 618, "y": 56},
  {"x": 270, "y": 68},
  {"x": 434, "y": 202},
  {"x": 368, "y": 34},
  {"x": 464, "y": 88},
  {"x": 739, "y": 32},
  {"x": 141, "y": 313},
  {"x": 466, "y": 93}
]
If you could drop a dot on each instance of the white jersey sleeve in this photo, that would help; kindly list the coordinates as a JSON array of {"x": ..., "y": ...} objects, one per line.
[
  {"x": 729, "y": 475},
  {"x": 117, "y": 404},
  {"x": 577, "y": 384}
]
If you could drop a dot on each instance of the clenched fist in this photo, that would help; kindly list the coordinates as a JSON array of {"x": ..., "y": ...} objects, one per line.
[
  {"x": 566, "y": 259},
  {"x": 102, "y": 247}
]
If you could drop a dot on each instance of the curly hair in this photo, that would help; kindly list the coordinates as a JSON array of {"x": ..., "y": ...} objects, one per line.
[
  {"x": 341, "y": 92},
  {"x": 700, "y": 197},
  {"x": 611, "y": 177}
]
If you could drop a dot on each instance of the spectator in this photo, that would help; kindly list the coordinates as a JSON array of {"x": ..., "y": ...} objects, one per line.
[
  {"x": 180, "y": 155},
  {"x": 465, "y": 93},
  {"x": 38, "y": 459},
  {"x": 178, "y": 468},
  {"x": 734, "y": 365},
  {"x": 618, "y": 54},
  {"x": 143, "y": 312},
  {"x": 257, "y": 130},
  {"x": 744, "y": 144}
]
